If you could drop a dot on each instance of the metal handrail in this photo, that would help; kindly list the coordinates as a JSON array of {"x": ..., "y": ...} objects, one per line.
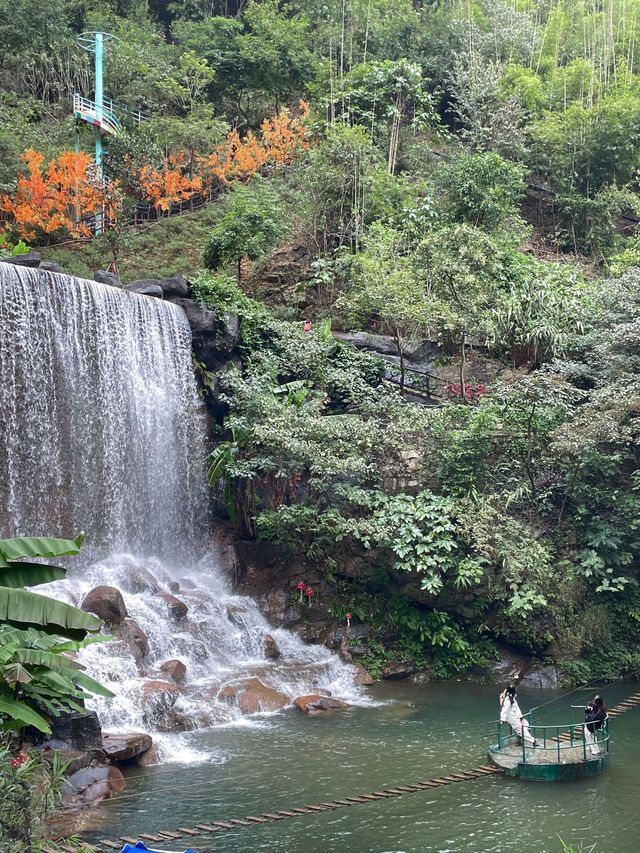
[
  {"x": 544, "y": 733},
  {"x": 88, "y": 110}
]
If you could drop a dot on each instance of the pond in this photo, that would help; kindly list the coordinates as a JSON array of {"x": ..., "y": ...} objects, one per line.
[{"x": 407, "y": 735}]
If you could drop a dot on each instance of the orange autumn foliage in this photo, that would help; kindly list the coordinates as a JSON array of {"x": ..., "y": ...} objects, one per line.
[
  {"x": 61, "y": 197},
  {"x": 166, "y": 186},
  {"x": 283, "y": 136}
]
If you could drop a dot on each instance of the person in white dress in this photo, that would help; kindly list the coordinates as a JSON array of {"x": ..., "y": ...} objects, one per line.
[{"x": 510, "y": 713}]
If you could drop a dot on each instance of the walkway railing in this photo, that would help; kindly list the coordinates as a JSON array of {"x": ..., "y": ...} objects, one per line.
[
  {"x": 87, "y": 110},
  {"x": 557, "y": 738}
]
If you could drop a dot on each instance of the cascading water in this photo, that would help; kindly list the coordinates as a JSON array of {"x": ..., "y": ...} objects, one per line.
[{"x": 102, "y": 430}]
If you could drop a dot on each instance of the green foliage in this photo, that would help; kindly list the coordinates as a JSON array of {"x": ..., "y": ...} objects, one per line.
[
  {"x": 483, "y": 190},
  {"x": 37, "y": 679},
  {"x": 30, "y": 789},
  {"x": 252, "y": 225}
]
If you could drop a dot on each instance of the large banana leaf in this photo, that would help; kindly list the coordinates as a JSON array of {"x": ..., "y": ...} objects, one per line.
[
  {"x": 15, "y": 573},
  {"x": 24, "y": 609},
  {"x": 87, "y": 683},
  {"x": 39, "y": 546},
  {"x": 21, "y": 713}
]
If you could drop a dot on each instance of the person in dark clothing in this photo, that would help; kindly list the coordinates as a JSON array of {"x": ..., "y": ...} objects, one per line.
[{"x": 595, "y": 714}]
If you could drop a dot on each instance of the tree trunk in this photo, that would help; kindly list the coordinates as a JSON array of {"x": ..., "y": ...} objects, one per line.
[
  {"x": 239, "y": 271},
  {"x": 463, "y": 362}
]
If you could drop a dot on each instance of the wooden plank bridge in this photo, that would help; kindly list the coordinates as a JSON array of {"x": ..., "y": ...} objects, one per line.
[{"x": 186, "y": 835}]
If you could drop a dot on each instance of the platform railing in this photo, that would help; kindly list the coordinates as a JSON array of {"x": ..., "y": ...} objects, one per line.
[{"x": 559, "y": 737}]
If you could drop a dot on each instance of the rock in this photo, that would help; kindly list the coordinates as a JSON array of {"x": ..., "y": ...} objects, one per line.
[
  {"x": 105, "y": 277},
  {"x": 93, "y": 784},
  {"x": 252, "y": 696},
  {"x": 132, "y": 634},
  {"x": 77, "y": 730},
  {"x": 29, "y": 259},
  {"x": 213, "y": 336},
  {"x": 201, "y": 319},
  {"x": 122, "y": 747},
  {"x": 158, "y": 698},
  {"x": 363, "y": 679},
  {"x": 50, "y": 266},
  {"x": 107, "y": 603},
  {"x": 175, "y": 668},
  {"x": 542, "y": 676},
  {"x": 176, "y": 286},
  {"x": 397, "y": 670},
  {"x": 146, "y": 287},
  {"x": 510, "y": 666},
  {"x": 173, "y": 587},
  {"x": 315, "y": 702},
  {"x": 178, "y": 609},
  {"x": 138, "y": 579},
  {"x": 271, "y": 649},
  {"x": 149, "y": 758},
  {"x": 74, "y": 759}
]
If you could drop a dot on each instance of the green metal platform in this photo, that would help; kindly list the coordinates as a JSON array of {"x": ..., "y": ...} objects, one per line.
[{"x": 561, "y": 754}]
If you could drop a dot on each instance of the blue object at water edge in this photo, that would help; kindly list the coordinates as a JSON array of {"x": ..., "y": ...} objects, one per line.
[{"x": 140, "y": 846}]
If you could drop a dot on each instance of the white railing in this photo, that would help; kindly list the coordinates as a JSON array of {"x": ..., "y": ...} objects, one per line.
[{"x": 87, "y": 110}]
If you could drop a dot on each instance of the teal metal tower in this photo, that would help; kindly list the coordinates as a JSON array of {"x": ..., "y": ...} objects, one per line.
[{"x": 98, "y": 113}]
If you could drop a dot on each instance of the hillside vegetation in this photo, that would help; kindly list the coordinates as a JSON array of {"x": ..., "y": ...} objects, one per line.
[{"x": 459, "y": 173}]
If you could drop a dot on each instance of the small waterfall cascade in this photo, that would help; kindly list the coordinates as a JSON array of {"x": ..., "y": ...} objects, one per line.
[{"x": 102, "y": 430}]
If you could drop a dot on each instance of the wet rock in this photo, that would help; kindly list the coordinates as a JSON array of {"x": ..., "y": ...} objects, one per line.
[
  {"x": 173, "y": 587},
  {"x": 149, "y": 758},
  {"x": 158, "y": 698},
  {"x": 271, "y": 649},
  {"x": 107, "y": 603},
  {"x": 510, "y": 666},
  {"x": 106, "y": 277},
  {"x": 29, "y": 259},
  {"x": 50, "y": 266},
  {"x": 178, "y": 609},
  {"x": 542, "y": 676},
  {"x": 175, "y": 668},
  {"x": 397, "y": 670},
  {"x": 252, "y": 696},
  {"x": 315, "y": 703},
  {"x": 92, "y": 785},
  {"x": 126, "y": 746},
  {"x": 146, "y": 287},
  {"x": 77, "y": 730},
  {"x": 138, "y": 580},
  {"x": 136, "y": 639},
  {"x": 363, "y": 679},
  {"x": 176, "y": 286}
]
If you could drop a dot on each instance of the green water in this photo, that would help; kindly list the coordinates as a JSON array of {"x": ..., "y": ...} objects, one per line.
[{"x": 290, "y": 760}]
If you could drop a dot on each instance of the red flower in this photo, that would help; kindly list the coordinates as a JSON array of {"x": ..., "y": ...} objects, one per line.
[
  {"x": 348, "y": 616},
  {"x": 19, "y": 760},
  {"x": 310, "y": 592},
  {"x": 301, "y": 585}
]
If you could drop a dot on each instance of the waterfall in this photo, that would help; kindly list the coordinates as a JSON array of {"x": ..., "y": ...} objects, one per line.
[{"x": 102, "y": 430}]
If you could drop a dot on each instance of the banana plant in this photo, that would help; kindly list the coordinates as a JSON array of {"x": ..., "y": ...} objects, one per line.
[
  {"x": 21, "y": 607},
  {"x": 38, "y": 677}
]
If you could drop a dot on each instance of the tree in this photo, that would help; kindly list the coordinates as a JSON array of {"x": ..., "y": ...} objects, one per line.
[
  {"x": 253, "y": 225},
  {"x": 388, "y": 289},
  {"x": 60, "y": 199}
]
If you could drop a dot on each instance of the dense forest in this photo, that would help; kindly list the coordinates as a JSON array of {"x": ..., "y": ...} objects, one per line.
[{"x": 458, "y": 173}]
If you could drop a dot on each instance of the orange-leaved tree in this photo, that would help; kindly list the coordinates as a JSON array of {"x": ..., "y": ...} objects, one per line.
[
  {"x": 61, "y": 198},
  {"x": 283, "y": 137},
  {"x": 169, "y": 184}
]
